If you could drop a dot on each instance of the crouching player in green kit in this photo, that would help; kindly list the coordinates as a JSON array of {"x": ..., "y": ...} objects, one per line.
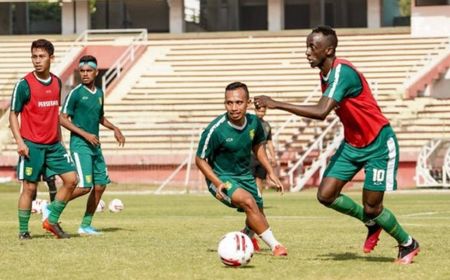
[
  {"x": 82, "y": 114},
  {"x": 224, "y": 155}
]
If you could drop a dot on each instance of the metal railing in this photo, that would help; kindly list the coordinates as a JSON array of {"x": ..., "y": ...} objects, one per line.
[
  {"x": 293, "y": 118},
  {"x": 127, "y": 57},
  {"x": 317, "y": 144},
  {"x": 195, "y": 133}
]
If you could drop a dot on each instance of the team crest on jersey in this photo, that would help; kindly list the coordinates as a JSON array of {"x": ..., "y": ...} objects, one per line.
[
  {"x": 100, "y": 100},
  {"x": 252, "y": 134},
  {"x": 88, "y": 178},
  {"x": 28, "y": 171}
]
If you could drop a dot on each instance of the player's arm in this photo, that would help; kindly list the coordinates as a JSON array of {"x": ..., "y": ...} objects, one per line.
[
  {"x": 318, "y": 111},
  {"x": 206, "y": 169},
  {"x": 66, "y": 122},
  {"x": 260, "y": 153},
  {"x": 22, "y": 148},
  {"x": 19, "y": 98},
  {"x": 271, "y": 149},
  {"x": 117, "y": 133}
]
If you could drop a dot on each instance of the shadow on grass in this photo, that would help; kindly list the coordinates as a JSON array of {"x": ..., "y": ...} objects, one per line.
[
  {"x": 114, "y": 229},
  {"x": 353, "y": 256}
]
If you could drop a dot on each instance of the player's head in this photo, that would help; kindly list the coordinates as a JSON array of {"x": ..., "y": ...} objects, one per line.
[
  {"x": 321, "y": 44},
  {"x": 42, "y": 55},
  {"x": 87, "y": 66},
  {"x": 237, "y": 100},
  {"x": 260, "y": 111}
]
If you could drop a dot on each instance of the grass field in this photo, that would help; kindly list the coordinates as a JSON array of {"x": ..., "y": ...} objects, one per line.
[{"x": 176, "y": 236}]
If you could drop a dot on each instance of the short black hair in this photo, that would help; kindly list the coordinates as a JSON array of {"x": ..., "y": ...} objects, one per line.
[
  {"x": 236, "y": 85},
  {"x": 43, "y": 44},
  {"x": 329, "y": 33},
  {"x": 88, "y": 58}
]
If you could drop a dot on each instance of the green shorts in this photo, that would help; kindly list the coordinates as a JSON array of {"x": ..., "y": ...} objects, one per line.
[
  {"x": 42, "y": 157},
  {"x": 379, "y": 160},
  {"x": 91, "y": 169},
  {"x": 232, "y": 184}
]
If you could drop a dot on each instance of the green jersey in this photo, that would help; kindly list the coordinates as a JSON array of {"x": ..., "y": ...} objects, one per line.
[
  {"x": 85, "y": 108},
  {"x": 228, "y": 147}
]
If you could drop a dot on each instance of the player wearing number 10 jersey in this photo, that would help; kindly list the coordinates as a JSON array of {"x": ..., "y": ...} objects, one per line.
[{"x": 370, "y": 143}]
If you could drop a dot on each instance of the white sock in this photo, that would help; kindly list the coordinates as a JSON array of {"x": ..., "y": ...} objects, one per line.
[
  {"x": 407, "y": 243},
  {"x": 269, "y": 239}
]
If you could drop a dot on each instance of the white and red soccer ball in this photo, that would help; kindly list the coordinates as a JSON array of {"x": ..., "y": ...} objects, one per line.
[
  {"x": 100, "y": 206},
  {"x": 235, "y": 249},
  {"x": 116, "y": 205}
]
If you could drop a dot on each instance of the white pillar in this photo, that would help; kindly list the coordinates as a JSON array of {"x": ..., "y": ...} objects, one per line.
[
  {"x": 176, "y": 16},
  {"x": 373, "y": 13},
  {"x": 67, "y": 18},
  {"x": 275, "y": 15},
  {"x": 82, "y": 16},
  {"x": 75, "y": 17}
]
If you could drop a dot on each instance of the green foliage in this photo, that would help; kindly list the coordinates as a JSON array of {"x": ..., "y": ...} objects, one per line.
[
  {"x": 176, "y": 237},
  {"x": 44, "y": 11},
  {"x": 405, "y": 7}
]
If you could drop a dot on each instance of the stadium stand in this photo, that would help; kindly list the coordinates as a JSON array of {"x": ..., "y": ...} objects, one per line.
[{"x": 180, "y": 87}]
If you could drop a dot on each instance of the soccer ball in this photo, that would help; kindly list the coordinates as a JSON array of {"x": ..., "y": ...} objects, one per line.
[
  {"x": 115, "y": 205},
  {"x": 36, "y": 205},
  {"x": 101, "y": 206},
  {"x": 235, "y": 249}
]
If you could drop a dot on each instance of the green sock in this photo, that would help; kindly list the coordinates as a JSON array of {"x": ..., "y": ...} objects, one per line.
[
  {"x": 24, "y": 218},
  {"x": 87, "y": 219},
  {"x": 390, "y": 224},
  {"x": 56, "y": 209},
  {"x": 347, "y": 206}
]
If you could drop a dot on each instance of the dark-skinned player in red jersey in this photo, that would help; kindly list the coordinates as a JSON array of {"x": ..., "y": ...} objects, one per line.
[{"x": 369, "y": 143}]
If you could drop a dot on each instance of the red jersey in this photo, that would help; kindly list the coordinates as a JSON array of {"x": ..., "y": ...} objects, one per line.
[
  {"x": 357, "y": 108},
  {"x": 39, "y": 119}
]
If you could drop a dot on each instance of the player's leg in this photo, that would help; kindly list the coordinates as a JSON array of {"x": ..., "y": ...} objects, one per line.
[
  {"x": 340, "y": 170},
  {"x": 59, "y": 161},
  {"x": 381, "y": 174},
  {"x": 28, "y": 190},
  {"x": 29, "y": 172},
  {"x": 101, "y": 179},
  {"x": 51, "y": 185},
  {"x": 91, "y": 205},
  {"x": 256, "y": 219}
]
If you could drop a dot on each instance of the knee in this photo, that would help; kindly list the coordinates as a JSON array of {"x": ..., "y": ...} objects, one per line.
[
  {"x": 249, "y": 205},
  {"x": 325, "y": 199},
  {"x": 372, "y": 211},
  {"x": 71, "y": 182}
]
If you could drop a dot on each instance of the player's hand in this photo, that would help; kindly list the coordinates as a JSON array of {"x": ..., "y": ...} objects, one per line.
[
  {"x": 219, "y": 193},
  {"x": 23, "y": 150},
  {"x": 92, "y": 139},
  {"x": 274, "y": 180},
  {"x": 119, "y": 137},
  {"x": 264, "y": 101}
]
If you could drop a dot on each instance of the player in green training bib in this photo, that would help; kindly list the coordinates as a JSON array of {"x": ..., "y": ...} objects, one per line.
[
  {"x": 224, "y": 155},
  {"x": 82, "y": 114},
  {"x": 369, "y": 143}
]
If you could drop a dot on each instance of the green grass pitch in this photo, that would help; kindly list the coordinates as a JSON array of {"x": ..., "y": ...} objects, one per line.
[{"x": 176, "y": 237}]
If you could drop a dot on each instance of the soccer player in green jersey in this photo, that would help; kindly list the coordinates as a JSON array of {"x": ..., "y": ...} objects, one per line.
[
  {"x": 257, "y": 169},
  {"x": 82, "y": 114},
  {"x": 224, "y": 155},
  {"x": 369, "y": 143},
  {"x": 36, "y": 99}
]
